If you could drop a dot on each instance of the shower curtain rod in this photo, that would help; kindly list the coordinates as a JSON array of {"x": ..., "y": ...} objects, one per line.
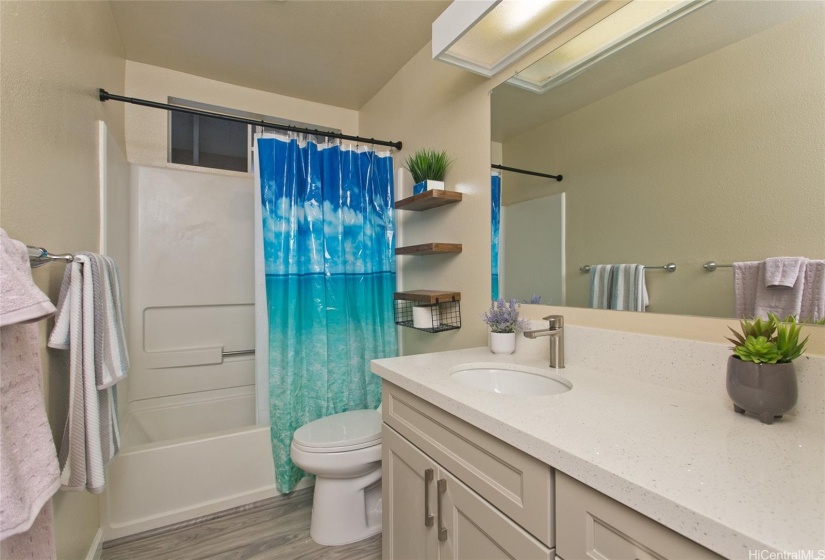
[
  {"x": 105, "y": 96},
  {"x": 526, "y": 172}
]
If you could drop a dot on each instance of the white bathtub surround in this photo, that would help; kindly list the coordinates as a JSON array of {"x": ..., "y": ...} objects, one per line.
[
  {"x": 220, "y": 460},
  {"x": 648, "y": 423}
]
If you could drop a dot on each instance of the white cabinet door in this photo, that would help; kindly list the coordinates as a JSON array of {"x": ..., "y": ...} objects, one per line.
[
  {"x": 590, "y": 525},
  {"x": 409, "y": 496},
  {"x": 430, "y": 515},
  {"x": 472, "y": 529}
]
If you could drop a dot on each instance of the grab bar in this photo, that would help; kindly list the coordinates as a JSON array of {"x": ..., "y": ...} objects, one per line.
[{"x": 237, "y": 352}]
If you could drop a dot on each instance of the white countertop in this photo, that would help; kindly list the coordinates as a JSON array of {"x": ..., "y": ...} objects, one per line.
[{"x": 686, "y": 460}]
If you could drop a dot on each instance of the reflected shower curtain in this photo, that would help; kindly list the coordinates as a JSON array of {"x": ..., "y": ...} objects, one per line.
[
  {"x": 495, "y": 218},
  {"x": 328, "y": 250}
]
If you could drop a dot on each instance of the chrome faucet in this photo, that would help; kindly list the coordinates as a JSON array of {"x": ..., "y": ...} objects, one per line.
[{"x": 555, "y": 331}]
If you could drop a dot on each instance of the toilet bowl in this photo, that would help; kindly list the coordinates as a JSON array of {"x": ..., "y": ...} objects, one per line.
[{"x": 343, "y": 451}]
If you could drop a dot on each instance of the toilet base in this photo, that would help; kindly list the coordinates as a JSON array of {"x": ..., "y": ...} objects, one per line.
[{"x": 346, "y": 510}]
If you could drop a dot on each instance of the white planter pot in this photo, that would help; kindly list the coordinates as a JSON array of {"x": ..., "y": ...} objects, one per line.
[
  {"x": 502, "y": 343},
  {"x": 427, "y": 185}
]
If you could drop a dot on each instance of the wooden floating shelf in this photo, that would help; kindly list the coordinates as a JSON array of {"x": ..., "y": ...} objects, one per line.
[
  {"x": 428, "y": 199},
  {"x": 429, "y": 249},
  {"x": 427, "y": 296}
]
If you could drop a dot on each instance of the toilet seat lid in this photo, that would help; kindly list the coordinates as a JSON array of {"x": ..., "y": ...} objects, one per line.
[{"x": 346, "y": 429}]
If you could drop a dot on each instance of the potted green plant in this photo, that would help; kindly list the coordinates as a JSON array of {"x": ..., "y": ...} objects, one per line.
[
  {"x": 503, "y": 320},
  {"x": 761, "y": 377},
  {"x": 428, "y": 168}
]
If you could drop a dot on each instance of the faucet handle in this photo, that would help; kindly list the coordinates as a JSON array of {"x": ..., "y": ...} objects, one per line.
[{"x": 556, "y": 321}]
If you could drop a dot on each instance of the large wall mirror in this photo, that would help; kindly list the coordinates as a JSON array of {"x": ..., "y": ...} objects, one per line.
[{"x": 702, "y": 141}]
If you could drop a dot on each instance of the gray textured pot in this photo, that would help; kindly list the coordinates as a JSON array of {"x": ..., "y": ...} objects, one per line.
[{"x": 767, "y": 390}]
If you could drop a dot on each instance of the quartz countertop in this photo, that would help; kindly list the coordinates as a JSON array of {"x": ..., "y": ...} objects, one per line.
[{"x": 686, "y": 460}]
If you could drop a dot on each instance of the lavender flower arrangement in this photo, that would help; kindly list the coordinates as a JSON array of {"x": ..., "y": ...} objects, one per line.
[{"x": 502, "y": 317}]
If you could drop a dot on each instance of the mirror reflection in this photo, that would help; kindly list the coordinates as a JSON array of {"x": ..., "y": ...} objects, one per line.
[{"x": 702, "y": 141}]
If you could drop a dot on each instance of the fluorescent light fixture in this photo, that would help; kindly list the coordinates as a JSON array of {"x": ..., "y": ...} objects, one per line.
[
  {"x": 618, "y": 30},
  {"x": 486, "y": 36}
]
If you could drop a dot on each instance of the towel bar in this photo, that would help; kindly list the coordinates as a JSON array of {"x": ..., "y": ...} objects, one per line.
[
  {"x": 38, "y": 256},
  {"x": 670, "y": 267},
  {"x": 710, "y": 266}
]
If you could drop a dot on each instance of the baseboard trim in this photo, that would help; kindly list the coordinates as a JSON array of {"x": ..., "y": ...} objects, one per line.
[
  {"x": 96, "y": 550},
  {"x": 305, "y": 484}
]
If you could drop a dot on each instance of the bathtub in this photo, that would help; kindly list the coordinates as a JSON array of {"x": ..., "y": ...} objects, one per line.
[{"x": 185, "y": 457}]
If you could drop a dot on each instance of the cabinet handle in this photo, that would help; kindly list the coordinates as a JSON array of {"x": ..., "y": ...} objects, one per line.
[
  {"x": 442, "y": 530},
  {"x": 428, "y": 517}
]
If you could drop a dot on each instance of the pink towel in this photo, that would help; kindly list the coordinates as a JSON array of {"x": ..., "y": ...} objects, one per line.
[
  {"x": 22, "y": 301},
  {"x": 779, "y": 300},
  {"x": 813, "y": 295},
  {"x": 782, "y": 272},
  {"x": 745, "y": 277},
  {"x": 29, "y": 472}
]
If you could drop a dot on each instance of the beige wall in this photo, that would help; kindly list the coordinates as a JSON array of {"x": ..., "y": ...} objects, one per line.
[
  {"x": 719, "y": 159},
  {"x": 430, "y": 104},
  {"x": 54, "y": 57},
  {"x": 146, "y": 129}
]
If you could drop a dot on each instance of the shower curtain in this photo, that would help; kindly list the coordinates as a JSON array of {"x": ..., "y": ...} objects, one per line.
[
  {"x": 495, "y": 226},
  {"x": 327, "y": 239}
]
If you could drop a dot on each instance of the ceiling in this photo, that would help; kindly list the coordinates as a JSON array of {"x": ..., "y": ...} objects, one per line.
[
  {"x": 515, "y": 110},
  {"x": 334, "y": 52}
]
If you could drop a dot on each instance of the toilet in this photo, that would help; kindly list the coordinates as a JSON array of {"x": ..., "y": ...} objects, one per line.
[{"x": 343, "y": 451}]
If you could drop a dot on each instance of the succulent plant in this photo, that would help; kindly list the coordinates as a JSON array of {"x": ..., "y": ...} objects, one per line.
[
  {"x": 758, "y": 350},
  {"x": 768, "y": 341},
  {"x": 428, "y": 164}
]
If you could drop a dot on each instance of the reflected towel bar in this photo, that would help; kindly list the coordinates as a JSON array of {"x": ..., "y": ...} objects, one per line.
[
  {"x": 670, "y": 267},
  {"x": 38, "y": 256},
  {"x": 710, "y": 266},
  {"x": 237, "y": 352}
]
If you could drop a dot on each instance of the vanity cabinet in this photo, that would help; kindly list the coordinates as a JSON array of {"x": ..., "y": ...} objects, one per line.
[
  {"x": 452, "y": 491},
  {"x": 430, "y": 514},
  {"x": 592, "y": 525}
]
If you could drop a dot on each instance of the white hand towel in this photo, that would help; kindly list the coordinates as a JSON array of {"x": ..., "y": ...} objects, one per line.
[
  {"x": 601, "y": 279},
  {"x": 812, "y": 307},
  {"x": 745, "y": 277},
  {"x": 779, "y": 300},
  {"x": 783, "y": 271}
]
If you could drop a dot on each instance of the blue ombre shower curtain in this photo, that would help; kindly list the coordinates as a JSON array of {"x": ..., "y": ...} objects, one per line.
[
  {"x": 495, "y": 226},
  {"x": 328, "y": 250}
]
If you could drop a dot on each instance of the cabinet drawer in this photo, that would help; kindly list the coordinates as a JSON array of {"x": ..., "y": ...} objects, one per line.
[
  {"x": 519, "y": 485},
  {"x": 591, "y": 525}
]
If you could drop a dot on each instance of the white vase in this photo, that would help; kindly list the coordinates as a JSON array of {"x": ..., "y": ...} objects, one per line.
[{"x": 502, "y": 343}]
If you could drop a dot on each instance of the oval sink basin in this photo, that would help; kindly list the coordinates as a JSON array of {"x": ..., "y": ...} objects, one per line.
[{"x": 497, "y": 379}]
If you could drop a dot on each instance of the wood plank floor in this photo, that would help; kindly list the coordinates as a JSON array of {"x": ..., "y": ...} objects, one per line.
[{"x": 276, "y": 531}]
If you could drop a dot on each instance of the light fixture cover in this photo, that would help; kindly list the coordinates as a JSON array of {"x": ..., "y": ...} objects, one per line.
[
  {"x": 486, "y": 36},
  {"x": 618, "y": 30}
]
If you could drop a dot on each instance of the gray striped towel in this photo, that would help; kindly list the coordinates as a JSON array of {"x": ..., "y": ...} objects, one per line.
[
  {"x": 628, "y": 292},
  {"x": 601, "y": 280},
  {"x": 90, "y": 325}
]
